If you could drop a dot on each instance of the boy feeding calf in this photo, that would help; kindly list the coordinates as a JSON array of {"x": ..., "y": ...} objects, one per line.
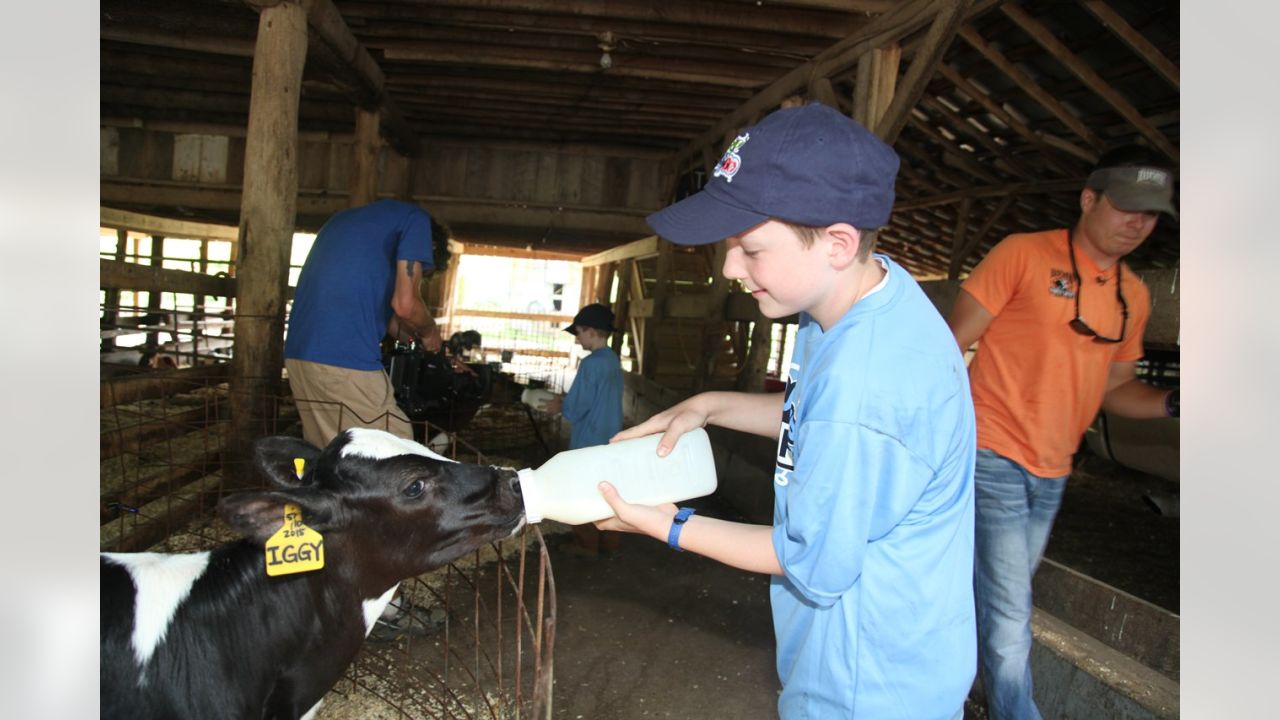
[{"x": 234, "y": 633}]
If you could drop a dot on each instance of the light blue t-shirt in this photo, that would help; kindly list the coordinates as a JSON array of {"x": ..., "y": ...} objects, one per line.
[
  {"x": 873, "y": 515},
  {"x": 593, "y": 405},
  {"x": 343, "y": 300}
]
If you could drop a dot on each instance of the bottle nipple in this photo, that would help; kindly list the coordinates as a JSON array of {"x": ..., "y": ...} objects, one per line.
[{"x": 529, "y": 493}]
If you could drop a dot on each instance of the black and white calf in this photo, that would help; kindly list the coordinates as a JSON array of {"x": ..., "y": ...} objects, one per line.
[{"x": 210, "y": 635}]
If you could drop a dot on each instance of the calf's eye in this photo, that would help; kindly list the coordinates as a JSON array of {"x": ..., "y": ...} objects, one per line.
[{"x": 415, "y": 489}]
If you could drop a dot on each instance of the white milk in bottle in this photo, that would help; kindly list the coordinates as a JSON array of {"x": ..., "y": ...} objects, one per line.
[{"x": 565, "y": 487}]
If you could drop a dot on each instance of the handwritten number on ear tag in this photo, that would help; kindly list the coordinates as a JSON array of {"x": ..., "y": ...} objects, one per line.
[{"x": 294, "y": 548}]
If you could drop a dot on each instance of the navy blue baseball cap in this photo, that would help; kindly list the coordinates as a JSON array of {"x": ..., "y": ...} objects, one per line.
[{"x": 808, "y": 165}]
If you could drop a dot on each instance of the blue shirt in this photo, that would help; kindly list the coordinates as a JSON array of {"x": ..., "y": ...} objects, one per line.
[
  {"x": 343, "y": 300},
  {"x": 593, "y": 405},
  {"x": 873, "y": 515}
]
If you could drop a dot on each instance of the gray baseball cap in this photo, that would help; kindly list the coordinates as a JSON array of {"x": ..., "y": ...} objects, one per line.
[{"x": 1136, "y": 189}]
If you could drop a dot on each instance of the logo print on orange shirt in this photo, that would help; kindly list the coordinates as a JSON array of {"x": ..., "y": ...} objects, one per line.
[{"x": 1060, "y": 284}]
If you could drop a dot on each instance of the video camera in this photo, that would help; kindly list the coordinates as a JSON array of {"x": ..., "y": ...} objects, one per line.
[{"x": 431, "y": 386}]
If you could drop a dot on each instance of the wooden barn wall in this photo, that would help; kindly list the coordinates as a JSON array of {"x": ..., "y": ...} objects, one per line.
[{"x": 580, "y": 179}]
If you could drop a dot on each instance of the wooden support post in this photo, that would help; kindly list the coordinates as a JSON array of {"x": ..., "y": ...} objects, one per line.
[
  {"x": 957, "y": 239},
  {"x": 364, "y": 159},
  {"x": 751, "y": 376},
  {"x": 622, "y": 308},
  {"x": 197, "y": 311},
  {"x": 154, "y": 296},
  {"x": 877, "y": 78},
  {"x": 649, "y": 357},
  {"x": 604, "y": 283},
  {"x": 111, "y": 307},
  {"x": 950, "y": 15},
  {"x": 267, "y": 209},
  {"x": 447, "y": 291},
  {"x": 715, "y": 329}
]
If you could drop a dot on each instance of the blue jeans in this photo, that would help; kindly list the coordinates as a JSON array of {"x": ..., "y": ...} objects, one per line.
[{"x": 1014, "y": 513}]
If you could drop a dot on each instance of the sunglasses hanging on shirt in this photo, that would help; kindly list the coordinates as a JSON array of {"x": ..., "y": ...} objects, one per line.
[{"x": 1078, "y": 323}]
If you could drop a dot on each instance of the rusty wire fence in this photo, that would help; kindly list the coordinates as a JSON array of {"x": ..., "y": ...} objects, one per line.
[{"x": 166, "y": 460}]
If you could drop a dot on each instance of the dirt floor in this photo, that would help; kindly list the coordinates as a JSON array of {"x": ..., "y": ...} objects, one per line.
[
  {"x": 648, "y": 633},
  {"x": 1109, "y": 528}
]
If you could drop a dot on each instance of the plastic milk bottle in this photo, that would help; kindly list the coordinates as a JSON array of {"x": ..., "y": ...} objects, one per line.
[
  {"x": 564, "y": 488},
  {"x": 536, "y": 398}
]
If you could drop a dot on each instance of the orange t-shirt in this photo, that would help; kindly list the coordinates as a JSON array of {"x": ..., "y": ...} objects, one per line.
[{"x": 1037, "y": 384}]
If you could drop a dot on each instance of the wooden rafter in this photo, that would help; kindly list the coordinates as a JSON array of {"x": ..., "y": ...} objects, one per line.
[
  {"x": 1031, "y": 87},
  {"x": 983, "y": 137},
  {"x": 886, "y": 29},
  {"x": 1134, "y": 39},
  {"x": 982, "y": 98},
  {"x": 1089, "y": 77}
]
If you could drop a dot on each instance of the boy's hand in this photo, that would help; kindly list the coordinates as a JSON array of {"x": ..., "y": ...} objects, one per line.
[
  {"x": 672, "y": 423},
  {"x": 553, "y": 405},
  {"x": 650, "y": 520}
]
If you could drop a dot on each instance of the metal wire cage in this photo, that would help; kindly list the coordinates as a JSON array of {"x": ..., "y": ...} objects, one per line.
[{"x": 165, "y": 463}]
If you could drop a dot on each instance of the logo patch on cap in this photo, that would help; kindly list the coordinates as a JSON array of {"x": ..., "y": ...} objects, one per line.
[
  {"x": 731, "y": 161},
  {"x": 1154, "y": 177}
]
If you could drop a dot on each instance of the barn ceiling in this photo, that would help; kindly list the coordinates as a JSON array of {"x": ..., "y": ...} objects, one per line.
[{"x": 997, "y": 123}]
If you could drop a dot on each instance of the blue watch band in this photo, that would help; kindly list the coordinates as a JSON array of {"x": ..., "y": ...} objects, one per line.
[{"x": 677, "y": 524}]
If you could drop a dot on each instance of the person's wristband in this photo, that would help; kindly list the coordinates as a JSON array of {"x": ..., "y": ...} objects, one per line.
[
  {"x": 1171, "y": 404},
  {"x": 677, "y": 524}
]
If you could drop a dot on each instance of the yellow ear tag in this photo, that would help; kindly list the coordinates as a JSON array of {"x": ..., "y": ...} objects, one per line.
[
  {"x": 295, "y": 547},
  {"x": 298, "y": 465}
]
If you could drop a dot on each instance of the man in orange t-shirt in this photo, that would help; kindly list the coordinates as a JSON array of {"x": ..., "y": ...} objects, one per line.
[{"x": 1060, "y": 320}]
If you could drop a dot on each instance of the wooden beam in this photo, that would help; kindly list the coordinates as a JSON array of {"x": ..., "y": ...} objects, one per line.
[
  {"x": 448, "y": 209},
  {"x": 1091, "y": 79},
  {"x": 884, "y": 30},
  {"x": 1134, "y": 40},
  {"x": 1031, "y": 188},
  {"x": 768, "y": 17},
  {"x": 642, "y": 248},
  {"x": 267, "y": 210},
  {"x": 1031, "y": 87},
  {"x": 510, "y": 252},
  {"x": 118, "y": 275},
  {"x": 582, "y": 62},
  {"x": 155, "y": 225},
  {"x": 120, "y": 391},
  {"x": 950, "y": 14}
]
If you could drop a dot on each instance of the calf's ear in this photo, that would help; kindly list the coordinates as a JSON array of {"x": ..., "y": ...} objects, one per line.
[
  {"x": 275, "y": 457},
  {"x": 258, "y": 515}
]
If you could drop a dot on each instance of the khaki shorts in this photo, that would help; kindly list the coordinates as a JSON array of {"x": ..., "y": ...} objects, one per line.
[{"x": 331, "y": 399}]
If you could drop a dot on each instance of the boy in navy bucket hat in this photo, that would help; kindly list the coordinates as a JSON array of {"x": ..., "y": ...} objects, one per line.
[
  {"x": 593, "y": 407},
  {"x": 871, "y": 546}
]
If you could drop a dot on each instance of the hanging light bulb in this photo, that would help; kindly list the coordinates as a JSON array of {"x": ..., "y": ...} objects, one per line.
[{"x": 606, "y": 44}]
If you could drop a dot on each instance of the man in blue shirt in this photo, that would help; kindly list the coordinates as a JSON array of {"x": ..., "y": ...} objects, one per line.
[
  {"x": 593, "y": 406},
  {"x": 870, "y": 550},
  {"x": 360, "y": 281}
]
